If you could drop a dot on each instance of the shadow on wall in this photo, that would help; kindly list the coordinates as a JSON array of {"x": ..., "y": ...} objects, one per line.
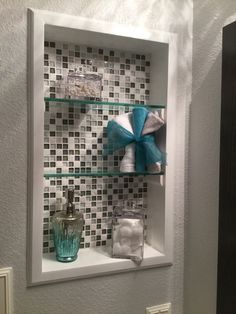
[{"x": 208, "y": 36}]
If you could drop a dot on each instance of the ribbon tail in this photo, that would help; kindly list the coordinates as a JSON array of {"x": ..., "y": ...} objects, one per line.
[
  {"x": 147, "y": 153},
  {"x": 139, "y": 117},
  {"x": 153, "y": 153},
  {"x": 140, "y": 157}
]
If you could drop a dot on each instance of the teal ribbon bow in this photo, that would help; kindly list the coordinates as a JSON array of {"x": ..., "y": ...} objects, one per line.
[{"x": 146, "y": 151}]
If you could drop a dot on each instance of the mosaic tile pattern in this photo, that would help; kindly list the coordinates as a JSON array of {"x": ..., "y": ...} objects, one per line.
[
  {"x": 95, "y": 198},
  {"x": 126, "y": 76},
  {"x": 75, "y": 137}
]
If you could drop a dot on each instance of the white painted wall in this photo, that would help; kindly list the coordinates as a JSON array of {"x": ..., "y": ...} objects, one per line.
[
  {"x": 118, "y": 294},
  {"x": 202, "y": 221}
]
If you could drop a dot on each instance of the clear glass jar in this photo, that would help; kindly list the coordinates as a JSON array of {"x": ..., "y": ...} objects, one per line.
[
  {"x": 128, "y": 232},
  {"x": 79, "y": 85}
]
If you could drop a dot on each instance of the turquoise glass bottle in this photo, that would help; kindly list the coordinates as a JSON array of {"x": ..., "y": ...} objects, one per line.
[{"x": 67, "y": 230}]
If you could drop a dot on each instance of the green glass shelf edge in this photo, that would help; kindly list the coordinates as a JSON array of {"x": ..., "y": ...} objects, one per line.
[
  {"x": 101, "y": 103},
  {"x": 100, "y": 174}
]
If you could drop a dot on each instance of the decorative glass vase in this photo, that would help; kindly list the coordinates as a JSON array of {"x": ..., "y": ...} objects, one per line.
[{"x": 67, "y": 229}]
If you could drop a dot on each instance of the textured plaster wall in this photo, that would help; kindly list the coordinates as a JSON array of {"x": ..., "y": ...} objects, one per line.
[
  {"x": 117, "y": 294},
  {"x": 202, "y": 223}
]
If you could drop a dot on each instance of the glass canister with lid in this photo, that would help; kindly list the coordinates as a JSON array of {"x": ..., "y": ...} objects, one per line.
[
  {"x": 128, "y": 232},
  {"x": 82, "y": 85}
]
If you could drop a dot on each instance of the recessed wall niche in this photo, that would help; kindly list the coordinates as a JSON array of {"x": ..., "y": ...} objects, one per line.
[
  {"x": 74, "y": 136},
  {"x": 138, "y": 66}
]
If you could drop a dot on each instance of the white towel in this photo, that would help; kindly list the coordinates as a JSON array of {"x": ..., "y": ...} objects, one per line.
[
  {"x": 152, "y": 124},
  {"x": 154, "y": 168},
  {"x": 125, "y": 121},
  {"x": 127, "y": 164}
]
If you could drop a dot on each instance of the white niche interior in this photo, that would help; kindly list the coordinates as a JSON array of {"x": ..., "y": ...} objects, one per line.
[{"x": 162, "y": 47}]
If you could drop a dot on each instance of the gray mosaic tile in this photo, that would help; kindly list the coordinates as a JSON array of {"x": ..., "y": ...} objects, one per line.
[{"x": 74, "y": 137}]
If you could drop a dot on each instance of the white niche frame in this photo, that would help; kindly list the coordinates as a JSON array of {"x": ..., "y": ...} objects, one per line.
[{"x": 94, "y": 262}]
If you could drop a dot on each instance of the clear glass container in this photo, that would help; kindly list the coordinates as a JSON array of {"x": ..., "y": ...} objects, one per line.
[
  {"x": 67, "y": 229},
  {"x": 79, "y": 85},
  {"x": 128, "y": 232}
]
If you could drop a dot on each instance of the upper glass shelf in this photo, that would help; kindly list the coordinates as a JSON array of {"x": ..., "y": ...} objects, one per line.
[
  {"x": 101, "y": 103},
  {"x": 100, "y": 174}
]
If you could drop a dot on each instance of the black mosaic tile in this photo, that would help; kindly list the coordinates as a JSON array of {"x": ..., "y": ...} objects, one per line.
[{"x": 71, "y": 132}]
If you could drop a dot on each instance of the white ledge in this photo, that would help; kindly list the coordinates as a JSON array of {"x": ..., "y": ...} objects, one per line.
[{"x": 97, "y": 261}]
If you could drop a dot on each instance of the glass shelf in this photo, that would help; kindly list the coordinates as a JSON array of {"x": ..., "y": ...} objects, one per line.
[
  {"x": 100, "y": 174},
  {"x": 101, "y": 103}
]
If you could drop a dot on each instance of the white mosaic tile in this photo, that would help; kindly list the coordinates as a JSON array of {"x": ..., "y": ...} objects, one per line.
[{"x": 75, "y": 136}]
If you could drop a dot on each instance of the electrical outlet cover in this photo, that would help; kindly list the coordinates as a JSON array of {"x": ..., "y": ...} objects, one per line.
[{"x": 159, "y": 309}]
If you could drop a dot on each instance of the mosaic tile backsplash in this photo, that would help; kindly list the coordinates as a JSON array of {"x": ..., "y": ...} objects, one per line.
[{"x": 75, "y": 136}]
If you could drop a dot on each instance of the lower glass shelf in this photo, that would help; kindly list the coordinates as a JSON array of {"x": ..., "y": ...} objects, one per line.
[
  {"x": 100, "y": 174},
  {"x": 97, "y": 261}
]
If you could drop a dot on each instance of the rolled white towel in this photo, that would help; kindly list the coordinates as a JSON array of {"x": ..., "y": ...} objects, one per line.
[
  {"x": 154, "y": 168},
  {"x": 152, "y": 124},
  {"x": 125, "y": 121},
  {"x": 128, "y": 162}
]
